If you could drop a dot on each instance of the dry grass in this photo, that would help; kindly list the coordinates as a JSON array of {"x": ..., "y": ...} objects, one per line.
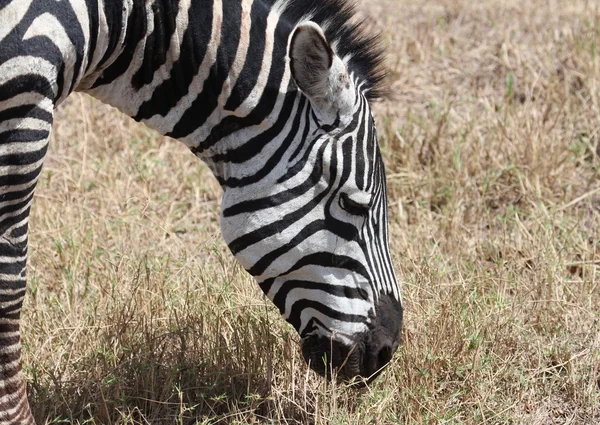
[{"x": 136, "y": 313}]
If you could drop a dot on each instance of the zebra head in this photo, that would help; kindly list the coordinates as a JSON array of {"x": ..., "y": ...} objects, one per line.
[{"x": 314, "y": 231}]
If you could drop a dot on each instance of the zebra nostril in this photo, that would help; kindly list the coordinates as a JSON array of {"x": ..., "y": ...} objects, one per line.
[
  {"x": 384, "y": 356},
  {"x": 378, "y": 356}
]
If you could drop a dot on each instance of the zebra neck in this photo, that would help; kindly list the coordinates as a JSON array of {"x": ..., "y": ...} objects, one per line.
[{"x": 212, "y": 73}]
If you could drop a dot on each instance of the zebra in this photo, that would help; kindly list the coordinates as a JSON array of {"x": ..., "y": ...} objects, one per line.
[{"x": 274, "y": 96}]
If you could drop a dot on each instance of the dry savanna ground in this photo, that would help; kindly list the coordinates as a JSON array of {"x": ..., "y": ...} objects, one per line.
[{"x": 137, "y": 314}]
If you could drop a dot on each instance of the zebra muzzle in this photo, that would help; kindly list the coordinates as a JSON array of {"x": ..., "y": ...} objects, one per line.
[{"x": 364, "y": 359}]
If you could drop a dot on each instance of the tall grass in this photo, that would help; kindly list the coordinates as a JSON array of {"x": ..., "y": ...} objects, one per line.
[{"x": 136, "y": 313}]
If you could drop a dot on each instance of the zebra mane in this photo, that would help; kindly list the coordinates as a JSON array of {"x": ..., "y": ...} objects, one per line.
[{"x": 348, "y": 35}]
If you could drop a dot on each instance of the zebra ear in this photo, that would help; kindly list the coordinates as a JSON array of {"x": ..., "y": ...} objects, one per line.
[{"x": 318, "y": 72}]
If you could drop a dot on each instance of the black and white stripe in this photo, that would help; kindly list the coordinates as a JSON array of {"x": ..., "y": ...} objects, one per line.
[{"x": 272, "y": 95}]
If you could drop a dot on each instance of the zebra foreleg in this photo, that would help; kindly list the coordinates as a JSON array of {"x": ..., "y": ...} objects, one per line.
[
  {"x": 24, "y": 132},
  {"x": 14, "y": 408}
]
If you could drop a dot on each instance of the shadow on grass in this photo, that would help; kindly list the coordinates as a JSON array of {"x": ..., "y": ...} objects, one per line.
[
  {"x": 179, "y": 376},
  {"x": 160, "y": 354}
]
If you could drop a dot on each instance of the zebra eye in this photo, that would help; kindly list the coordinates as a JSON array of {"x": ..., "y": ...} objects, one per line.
[{"x": 353, "y": 207}]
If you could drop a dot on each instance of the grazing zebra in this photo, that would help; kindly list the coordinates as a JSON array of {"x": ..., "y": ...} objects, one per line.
[{"x": 274, "y": 97}]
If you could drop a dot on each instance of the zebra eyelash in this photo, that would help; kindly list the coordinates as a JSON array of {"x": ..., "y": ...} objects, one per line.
[{"x": 353, "y": 207}]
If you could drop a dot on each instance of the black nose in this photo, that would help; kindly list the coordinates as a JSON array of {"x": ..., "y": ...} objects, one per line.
[
  {"x": 364, "y": 357},
  {"x": 377, "y": 356}
]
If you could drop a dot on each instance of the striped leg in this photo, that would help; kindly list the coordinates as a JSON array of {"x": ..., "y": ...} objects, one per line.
[
  {"x": 14, "y": 408},
  {"x": 25, "y": 123}
]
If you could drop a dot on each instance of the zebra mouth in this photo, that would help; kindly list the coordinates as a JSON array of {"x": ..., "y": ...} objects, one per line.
[
  {"x": 331, "y": 358},
  {"x": 367, "y": 357}
]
